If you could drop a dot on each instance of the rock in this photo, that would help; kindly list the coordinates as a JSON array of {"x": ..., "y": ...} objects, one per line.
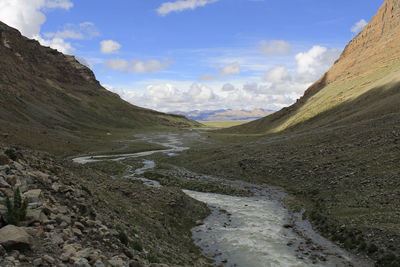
[
  {"x": 63, "y": 218},
  {"x": 84, "y": 253},
  {"x": 79, "y": 225},
  {"x": 4, "y": 159},
  {"x": 81, "y": 262},
  {"x": 99, "y": 263},
  {"x": 42, "y": 177},
  {"x": 55, "y": 187},
  {"x": 35, "y": 215},
  {"x": 56, "y": 238},
  {"x": 49, "y": 259},
  {"x": 37, "y": 262},
  {"x": 3, "y": 183},
  {"x": 199, "y": 222},
  {"x": 3, "y": 252},
  {"x": 117, "y": 262},
  {"x": 76, "y": 232},
  {"x": 3, "y": 209},
  {"x": 33, "y": 195},
  {"x": 13, "y": 237}
]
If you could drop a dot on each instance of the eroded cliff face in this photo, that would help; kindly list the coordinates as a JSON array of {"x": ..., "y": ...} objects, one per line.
[
  {"x": 360, "y": 86},
  {"x": 377, "y": 46}
]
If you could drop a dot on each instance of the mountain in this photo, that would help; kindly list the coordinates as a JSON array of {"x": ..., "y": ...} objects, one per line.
[
  {"x": 48, "y": 99},
  {"x": 225, "y": 114},
  {"x": 336, "y": 151},
  {"x": 362, "y": 84}
]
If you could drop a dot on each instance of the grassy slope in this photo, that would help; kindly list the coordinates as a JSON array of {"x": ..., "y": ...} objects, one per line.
[
  {"x": 336, "y": 150},
  {"x": 51, "y": 102}
]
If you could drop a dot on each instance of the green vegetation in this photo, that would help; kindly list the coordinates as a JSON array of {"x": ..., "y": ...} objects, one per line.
[
  {"x": 16, "y": 209},
  {"x": 222, "y": 124},
  {"x": 11, "y": 154}
]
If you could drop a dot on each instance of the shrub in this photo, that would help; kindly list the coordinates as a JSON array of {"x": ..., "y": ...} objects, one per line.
[
  {"x": 137, "y": 245},
  {"x": 11, "y": 153},
  {"x": 372, "y": 249},
  {"x": 16, "y": 209},
  {"x": 122, "y": 236}
]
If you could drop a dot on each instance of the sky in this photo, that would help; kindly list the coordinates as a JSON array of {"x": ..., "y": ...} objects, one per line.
[{"x": 182, "y": 55}]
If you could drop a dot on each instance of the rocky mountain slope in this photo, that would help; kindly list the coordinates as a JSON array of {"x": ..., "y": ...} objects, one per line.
[
  {"x": 336, "y": 151},
  {"x": 77, "y": 216},
  {"x": 363, "y": 83},
  {"x": 46, "y": 95}
]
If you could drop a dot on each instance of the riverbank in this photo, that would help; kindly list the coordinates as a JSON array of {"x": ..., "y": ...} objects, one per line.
[
  {"x": 80, "y": 216},
  {"x": 345, "y": 177},
  {"x": 305, "y": 247}
]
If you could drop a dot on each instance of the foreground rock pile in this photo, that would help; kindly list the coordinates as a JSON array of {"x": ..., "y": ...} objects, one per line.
[{"x": 61, "y": 226}]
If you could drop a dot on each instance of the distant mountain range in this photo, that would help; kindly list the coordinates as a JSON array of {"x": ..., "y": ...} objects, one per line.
[{"x": 225, "y": 114}]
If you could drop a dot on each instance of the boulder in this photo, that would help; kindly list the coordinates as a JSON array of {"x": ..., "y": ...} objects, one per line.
[
  {"x": 33, "y": 195},
  {"x": 15, "y": 238},
  {"x": 3, "y": 183},
  {"x": 4, "y": 160}
]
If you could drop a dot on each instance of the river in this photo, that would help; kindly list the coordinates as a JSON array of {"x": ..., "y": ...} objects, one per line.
[{"x": 255, "y": 231}]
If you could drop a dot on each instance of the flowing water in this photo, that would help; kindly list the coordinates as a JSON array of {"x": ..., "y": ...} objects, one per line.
[{"x": 245, "y": 231}]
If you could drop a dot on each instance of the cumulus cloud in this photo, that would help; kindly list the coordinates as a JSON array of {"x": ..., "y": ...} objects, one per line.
[
  {"x": 85, "y": 30},
  {"x": 275, "y": 47},
  {"x": 28, "y": 16},
  {"x": 56, "y": 43},
  {"x": 231, "y": 69},
  {"x": 137, "y": 66},
  {"x": 277, "y": 75},
  {"x": 109, "y": 47},
  {"x": 314, "y": 62},
  {"x": 66, "y": 4},
  {"x": 359, "y": 26},
  {"x": 207, "y": 77},
  {"x": 181, "y": 5},
  {"x": 171, "y": 97},
  {"x": 228, "y": 87}
]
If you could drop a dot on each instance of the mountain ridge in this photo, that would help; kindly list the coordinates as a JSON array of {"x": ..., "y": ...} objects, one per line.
[
  {"x": 46, "y": 95},
  {"x": 369, "y": 61}
]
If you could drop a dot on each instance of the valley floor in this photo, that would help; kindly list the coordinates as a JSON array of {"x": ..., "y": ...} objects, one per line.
[{"x": 346, "y": 179}]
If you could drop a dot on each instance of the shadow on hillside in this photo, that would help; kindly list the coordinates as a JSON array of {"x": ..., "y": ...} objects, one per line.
[{"x": 372, "y": 104}]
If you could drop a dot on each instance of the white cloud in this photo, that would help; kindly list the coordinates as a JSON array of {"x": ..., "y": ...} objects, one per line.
[
  {"x": 313, "y": 63},
  {"x": 231, "y": 69},
  {"x": 277, "y": 75},
  {"x": 207, "y": 77},
  {"x": 117, "y": 64},
  {"x": 28, "y": 16},
  {"x": 137, "y": 66},
  {"x": 65, "y": 4},
  {"x": 278, "y": 87},
  {"x": 359, "y": 26},
  {"x": 85, "y": 30},
  {"x": 109, "y": 46},
  {"x": 181, "y": 5},
  {"x": 275, "y": 47},
  {"x": 171, "y": 96},
  {"x": 56, "y": 43},
  {"x": 228, "y": 87}
]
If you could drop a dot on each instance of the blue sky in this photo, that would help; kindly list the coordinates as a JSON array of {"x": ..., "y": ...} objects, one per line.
[{"x": 239, "y": 54}]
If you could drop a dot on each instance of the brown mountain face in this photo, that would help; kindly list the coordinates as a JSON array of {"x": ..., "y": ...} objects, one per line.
[
  {"x": 46, "y": 95},
  {"x": 362, "y": 84}
]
